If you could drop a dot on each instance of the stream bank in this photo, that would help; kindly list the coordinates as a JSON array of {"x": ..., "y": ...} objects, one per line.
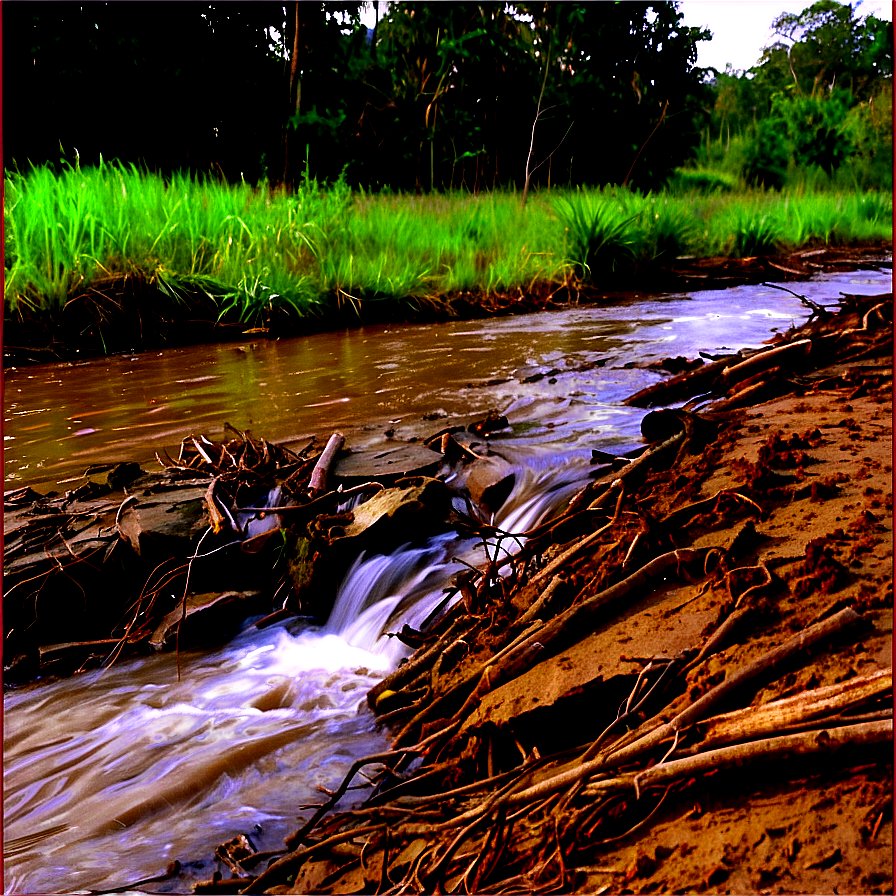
[
  {"x": 684, "y": 683},
  {"x": 131, "y": 313}
]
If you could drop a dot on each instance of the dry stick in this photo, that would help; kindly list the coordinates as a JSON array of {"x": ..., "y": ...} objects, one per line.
[
  {"x": 579, "y": 547},
  {"x": 779, "y": 715},
  {"x": 644, "y": 460},
  {"x": 421, "y": 662},
  {"x": 819, "y": 740},
  {"x": 820, "y": 310},
  {"x": 279, "y": 869},
  {"x": 318, "y": 481},
  {"x": 683, "y": 515},
  {"x": 541, "y": 601},
  {"x": 768, "y": 662},
  {"x": 534, "y": 123},
  {"x": 296, "y": 838},
  {"x": 719, "y": 636}
]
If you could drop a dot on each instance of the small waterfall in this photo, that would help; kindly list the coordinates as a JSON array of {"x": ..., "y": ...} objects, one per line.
[
  {"x": 152, "y": 767},
  {"x": 380, "y": 590},
  {"x": 381, "y": 593}
]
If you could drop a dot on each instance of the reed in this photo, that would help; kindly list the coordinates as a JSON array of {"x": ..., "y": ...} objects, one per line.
[{"x": 255, "y": 250}]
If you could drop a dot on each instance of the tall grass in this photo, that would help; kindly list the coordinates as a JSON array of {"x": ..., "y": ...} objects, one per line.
[{"x": 254, "y": 250}]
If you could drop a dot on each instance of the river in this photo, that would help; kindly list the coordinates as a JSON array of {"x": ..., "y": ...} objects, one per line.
[{"x": 111, "y": 775}]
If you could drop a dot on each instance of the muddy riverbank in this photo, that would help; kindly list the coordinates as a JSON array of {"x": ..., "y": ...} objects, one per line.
[
  {"x": 129, "y": 313},
  {"x": 683, "y": 684}
]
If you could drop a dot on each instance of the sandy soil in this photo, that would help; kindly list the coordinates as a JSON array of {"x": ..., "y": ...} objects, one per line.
[{"x": 825, "y": 827}]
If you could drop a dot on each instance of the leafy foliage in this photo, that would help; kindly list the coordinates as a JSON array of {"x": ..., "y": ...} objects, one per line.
[
  {"x": 819, "y": 100},
  {"x": 600, "y": 239},
  {"x": 437, "y": 96}
]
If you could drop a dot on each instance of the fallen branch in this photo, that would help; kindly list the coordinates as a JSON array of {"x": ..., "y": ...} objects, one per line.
[
  {"x": 779, "y": 715},
  {"x": 318, "y": 481},
  {"x": 296, "y": 838},
  {"x": 819, "y": 741},
  {"x": 762, "y": 360}
]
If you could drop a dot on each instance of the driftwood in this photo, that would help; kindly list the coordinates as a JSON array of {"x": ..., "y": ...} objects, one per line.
[
  {"x": 822, "y": 740},
  {"x": 318, "y": 481},
  {"x": 781, "y": 715},
  {"x": 717, "y": 378}
]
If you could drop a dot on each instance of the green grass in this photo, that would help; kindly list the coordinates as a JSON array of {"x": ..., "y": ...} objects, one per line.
[{"x": 255, "y": 251}]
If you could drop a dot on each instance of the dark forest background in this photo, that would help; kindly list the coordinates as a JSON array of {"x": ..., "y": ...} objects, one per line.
[{"x": 437, "y": 95}]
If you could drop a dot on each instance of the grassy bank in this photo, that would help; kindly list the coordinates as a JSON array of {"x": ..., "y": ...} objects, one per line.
[{"x": 252, "y": 251}]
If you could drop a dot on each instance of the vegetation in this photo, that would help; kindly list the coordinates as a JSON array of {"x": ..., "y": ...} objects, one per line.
[
  {"x": 817, "y": 108},
  {"x": 257, "y": 249},
  {"x": 335, "y": 166},
  {"x": 438, "y": 96}
]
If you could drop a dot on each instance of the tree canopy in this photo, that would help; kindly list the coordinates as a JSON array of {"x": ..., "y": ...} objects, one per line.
[
  {"x": 438, "y": 95},
  {"x": 820, "y": 94}
]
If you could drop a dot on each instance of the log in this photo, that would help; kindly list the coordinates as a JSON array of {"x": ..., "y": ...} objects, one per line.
[
  {"x": 779, "y": 715},
  {"x": 763, "y": 360},
  {"x": 318, "y": 482},
  {"x": 685, "y": 385},
  {"x": 806, "y": 743}
]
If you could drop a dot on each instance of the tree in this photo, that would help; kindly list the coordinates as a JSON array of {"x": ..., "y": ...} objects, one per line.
[
  {"x": 796, "y": 106},
  {"x": 828, "y": 46}
]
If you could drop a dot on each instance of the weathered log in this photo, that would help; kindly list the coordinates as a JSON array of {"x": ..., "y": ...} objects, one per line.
[
  {"x": 807, "y": 743},
  {"x": 779, "y": 715},
  {"x": 318, "y": 482},
  {"x": 763, "y": 360},
  {"x": 685, "y": 385}
]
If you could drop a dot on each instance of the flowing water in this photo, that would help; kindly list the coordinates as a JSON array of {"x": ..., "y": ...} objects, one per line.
[{"x": 111, "y": 775}]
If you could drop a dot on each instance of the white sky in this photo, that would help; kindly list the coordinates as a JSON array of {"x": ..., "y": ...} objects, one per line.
[{"x": 741, "y": 28}]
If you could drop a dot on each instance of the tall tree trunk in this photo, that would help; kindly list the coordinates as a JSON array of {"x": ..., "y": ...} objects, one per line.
[{"x": 295, "y": 87}]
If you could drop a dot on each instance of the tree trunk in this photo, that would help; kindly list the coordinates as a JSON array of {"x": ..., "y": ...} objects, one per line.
[{"x": 295, "y": 86}]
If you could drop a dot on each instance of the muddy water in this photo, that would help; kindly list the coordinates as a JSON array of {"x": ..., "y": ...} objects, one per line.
[
  {"x": 59, "y": 418},
  {"x": 110, "y": 776}
]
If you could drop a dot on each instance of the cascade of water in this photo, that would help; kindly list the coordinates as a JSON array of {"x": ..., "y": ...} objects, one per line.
[{"x": 381, "y": 593}]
